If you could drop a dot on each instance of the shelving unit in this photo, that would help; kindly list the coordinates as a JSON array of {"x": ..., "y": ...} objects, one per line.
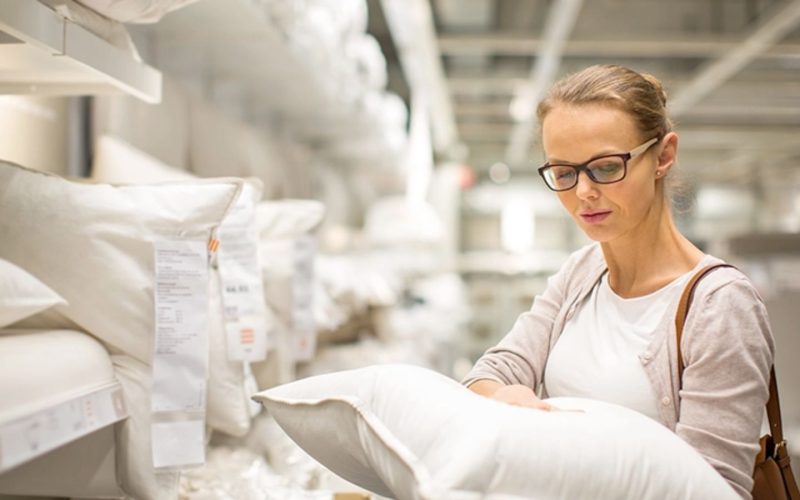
[
  {"x": 43, "y": 53},
  {"x": 38, "y": 432}
]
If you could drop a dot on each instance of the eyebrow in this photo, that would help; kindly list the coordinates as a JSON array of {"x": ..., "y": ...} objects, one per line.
[{"x": 598, "y": 155}]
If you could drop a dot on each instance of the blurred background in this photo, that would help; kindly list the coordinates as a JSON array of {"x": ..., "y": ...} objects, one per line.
[{"x": 412, "y": 122}]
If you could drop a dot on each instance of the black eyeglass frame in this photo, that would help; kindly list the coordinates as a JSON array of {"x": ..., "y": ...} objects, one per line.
[{"x": 584, "y": 167}]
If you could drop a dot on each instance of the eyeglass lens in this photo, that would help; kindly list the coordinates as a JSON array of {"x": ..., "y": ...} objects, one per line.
[{"x": 602, "y": 170}]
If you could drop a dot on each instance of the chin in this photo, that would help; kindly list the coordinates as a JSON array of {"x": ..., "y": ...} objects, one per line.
[{"x": 597, "y": 234}]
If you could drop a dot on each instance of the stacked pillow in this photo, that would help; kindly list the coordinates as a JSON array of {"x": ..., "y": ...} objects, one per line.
[
  {"x": 22, "y": 295},
  {"x": 116, "y": 161},
  {"x": 135, "y": 11},
  {"x": 95, "y": 246},
  {"x": 284, "y": 229},
  {"x": 94, "y": 243}
]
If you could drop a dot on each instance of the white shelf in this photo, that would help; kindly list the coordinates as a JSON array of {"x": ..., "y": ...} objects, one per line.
[
  {"x": 43, "y": 53},
  {"x": 39, "y": 432}
]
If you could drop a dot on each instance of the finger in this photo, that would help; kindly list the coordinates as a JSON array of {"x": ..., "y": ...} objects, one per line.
[{"x": 537, "y": 405}]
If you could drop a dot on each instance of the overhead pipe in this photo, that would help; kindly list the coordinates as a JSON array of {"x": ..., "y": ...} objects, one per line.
[
  {"x": 560, "y": 20},
  {"x": 770, "y": 28}
]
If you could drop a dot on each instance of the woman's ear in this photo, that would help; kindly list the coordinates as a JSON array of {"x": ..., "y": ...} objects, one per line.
[{"x": 667, "y": 153}]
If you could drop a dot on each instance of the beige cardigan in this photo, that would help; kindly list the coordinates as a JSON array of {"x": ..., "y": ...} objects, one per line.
[{"x": 727, "y": 348}]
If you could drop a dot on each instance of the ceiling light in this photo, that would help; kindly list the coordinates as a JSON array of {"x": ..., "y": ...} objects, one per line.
[{"x": 499, "y": 173}]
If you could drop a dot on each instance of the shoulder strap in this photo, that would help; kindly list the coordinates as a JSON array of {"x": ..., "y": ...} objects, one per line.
[
  {"x": 774, "y": 409},
  {"x": 773, "y": 403},
  {"x": 683, "y": 310}
]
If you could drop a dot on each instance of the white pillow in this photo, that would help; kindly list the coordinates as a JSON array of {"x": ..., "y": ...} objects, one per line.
[
  {"x": 227, "y": 398},
  {"x": 111, "y": 31},
  {"x": 280, "y": 224},
  {"x": 117, "y": 162},
  {"x": 287, "y": 219},
  {"x": 411, "y": 433},
  {"x": 22, "y": 295},
  {"x": 135, "y": 11},
  {"x": 94, "y": 242}
]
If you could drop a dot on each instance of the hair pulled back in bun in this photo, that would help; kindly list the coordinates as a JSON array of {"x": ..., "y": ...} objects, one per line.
[{"x": 639, "y": 94}]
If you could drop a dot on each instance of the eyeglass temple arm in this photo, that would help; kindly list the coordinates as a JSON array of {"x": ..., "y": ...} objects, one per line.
[{"x": 644, "y": 147}]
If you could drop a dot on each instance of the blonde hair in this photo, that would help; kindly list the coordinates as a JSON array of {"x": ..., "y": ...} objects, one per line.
[{"x": 639, "y": 94}]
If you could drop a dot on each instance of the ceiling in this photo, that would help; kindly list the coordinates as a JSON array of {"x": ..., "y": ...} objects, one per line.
[{"x": 730, "y": 67}]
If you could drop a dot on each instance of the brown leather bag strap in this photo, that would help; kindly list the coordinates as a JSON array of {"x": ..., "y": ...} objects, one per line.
[
  {"x": 780, "y": 452},
  {"x": 683, "y": 311},
  {"x": 773, "y": 403},
  {"x": 774, "y": 409}
]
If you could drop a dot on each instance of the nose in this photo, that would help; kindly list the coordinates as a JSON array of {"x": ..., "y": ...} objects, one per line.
[{"x": 586, "y": 189}]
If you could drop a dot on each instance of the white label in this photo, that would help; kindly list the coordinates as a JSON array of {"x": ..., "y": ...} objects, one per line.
[
  {"x": 36, "y": 434},
  {"x": 240, "y": 278},
  {"x": 303, "y": 327},
  {"x": 178, "y": 443},
  {"x": 180, "y": 361}
]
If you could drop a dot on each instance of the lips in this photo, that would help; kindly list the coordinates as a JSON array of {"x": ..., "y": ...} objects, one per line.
[{"x": 595, "y": 216}]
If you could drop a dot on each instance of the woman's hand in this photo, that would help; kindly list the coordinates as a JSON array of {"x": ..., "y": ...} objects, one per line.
[
  {"x": 520, "y": 395},
  {"x": 517, "y": 395}
]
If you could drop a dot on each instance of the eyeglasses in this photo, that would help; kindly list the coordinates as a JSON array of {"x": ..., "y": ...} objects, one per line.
[{"x": 605, "y": 169}]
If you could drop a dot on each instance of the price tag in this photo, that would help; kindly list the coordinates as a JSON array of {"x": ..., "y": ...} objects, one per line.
[{"x": 244, "y": 309}]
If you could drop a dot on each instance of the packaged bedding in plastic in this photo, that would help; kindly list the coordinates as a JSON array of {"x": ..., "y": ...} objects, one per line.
[
  {"x": 135, "y": 11},
  {"x": 108, "y": 29},
  {"x": 228, "y": 407}
]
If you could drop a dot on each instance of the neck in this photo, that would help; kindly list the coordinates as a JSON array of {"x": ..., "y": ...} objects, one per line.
[{"x": 649, "y": 257}]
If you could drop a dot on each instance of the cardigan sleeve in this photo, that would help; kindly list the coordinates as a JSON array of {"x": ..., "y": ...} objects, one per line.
[{"x": 728, "y": 352}]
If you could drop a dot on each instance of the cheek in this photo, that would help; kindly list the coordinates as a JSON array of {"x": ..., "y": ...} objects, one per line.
[
  {"x": 634, "y": 199},
  {"x": 568, "y": 200}
]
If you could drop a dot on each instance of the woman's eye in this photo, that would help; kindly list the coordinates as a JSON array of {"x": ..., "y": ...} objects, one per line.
[
  {"x": 564, "y": 174},
  {"x": 606, "y": 167}
]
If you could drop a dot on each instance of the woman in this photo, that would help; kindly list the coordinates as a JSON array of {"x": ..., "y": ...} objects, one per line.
[{"x": 604, "y": 326}]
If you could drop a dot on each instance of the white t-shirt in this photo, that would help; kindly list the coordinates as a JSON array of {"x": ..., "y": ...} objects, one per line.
[{"x": 598, "y": 354}]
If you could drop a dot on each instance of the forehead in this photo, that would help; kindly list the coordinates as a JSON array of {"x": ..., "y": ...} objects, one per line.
[{"x": 576, "y": 132}]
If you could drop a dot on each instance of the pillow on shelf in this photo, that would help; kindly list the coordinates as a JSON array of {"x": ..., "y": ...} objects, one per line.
[
  {"x": 281, "y": 224},
  {"x": 22, "y": 294},
  {"x": 411, "y": 433},
  {"x": 116, "y": 161},
  {"x": 287, "y": 219},
  {"x": 135, "y": 11},
  {"x": 94, "y": 243},
  {"x": 227, "y": 402}
]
